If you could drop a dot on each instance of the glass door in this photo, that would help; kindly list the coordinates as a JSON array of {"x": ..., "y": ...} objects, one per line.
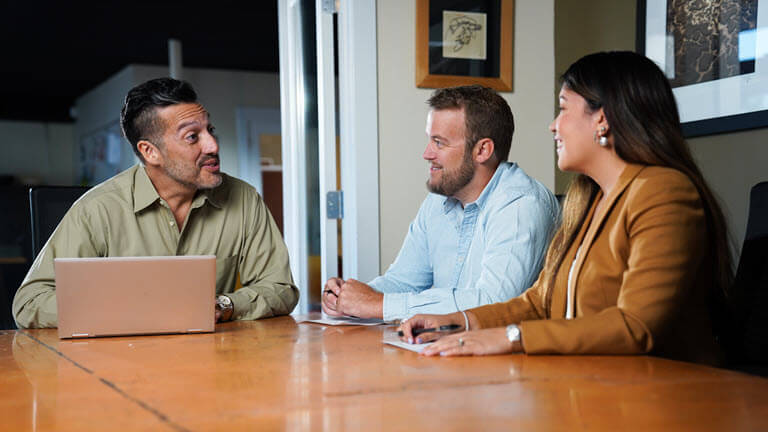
[{"x": 330, "y": 166}]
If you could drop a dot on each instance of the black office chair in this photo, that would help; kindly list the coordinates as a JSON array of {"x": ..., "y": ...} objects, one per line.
[
  {"x": 747, "y": 349},
  {"x": 47, "y": 206},
  {"x": 15, "y": 247}
]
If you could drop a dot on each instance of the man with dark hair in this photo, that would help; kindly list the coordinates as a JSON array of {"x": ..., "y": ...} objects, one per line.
[
  {"x": 481, "y": 234},
  {"x": 176, "y": 202},
  {"x": 137, "y": 118}
]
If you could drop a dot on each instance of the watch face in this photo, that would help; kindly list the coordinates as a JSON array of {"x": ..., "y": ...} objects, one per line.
[
  {"x": 513, "y": 333},
  {"x": 223, "y": 301}
]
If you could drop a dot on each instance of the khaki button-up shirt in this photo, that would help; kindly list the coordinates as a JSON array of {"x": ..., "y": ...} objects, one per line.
[{"x": 124, "y": 216}]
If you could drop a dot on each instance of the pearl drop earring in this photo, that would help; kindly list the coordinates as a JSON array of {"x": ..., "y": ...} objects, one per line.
[{"x": 603, "y": 141}]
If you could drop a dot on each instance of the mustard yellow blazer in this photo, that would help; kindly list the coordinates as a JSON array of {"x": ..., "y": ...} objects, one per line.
[{"x": 639, "y": 284}]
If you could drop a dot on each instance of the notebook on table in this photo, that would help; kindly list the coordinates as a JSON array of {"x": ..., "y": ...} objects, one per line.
[{"x": 135, "y": 295}]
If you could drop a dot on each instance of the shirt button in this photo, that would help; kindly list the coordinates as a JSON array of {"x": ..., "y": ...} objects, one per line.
[{"x": 172, "y": 223}]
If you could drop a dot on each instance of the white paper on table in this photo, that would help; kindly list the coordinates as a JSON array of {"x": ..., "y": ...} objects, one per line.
[
  {"x": 335, "y": 321},
  {"x": 394, "y": 341}
]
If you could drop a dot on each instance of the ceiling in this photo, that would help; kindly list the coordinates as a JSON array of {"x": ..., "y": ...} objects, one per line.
[{"x": 55, "y": 51}]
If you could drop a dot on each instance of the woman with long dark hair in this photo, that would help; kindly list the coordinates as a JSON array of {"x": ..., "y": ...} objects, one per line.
[{"x": 641, "y": 261}]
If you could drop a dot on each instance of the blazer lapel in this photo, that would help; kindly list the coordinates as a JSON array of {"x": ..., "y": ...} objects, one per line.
[{"x": 630, "y": 172}]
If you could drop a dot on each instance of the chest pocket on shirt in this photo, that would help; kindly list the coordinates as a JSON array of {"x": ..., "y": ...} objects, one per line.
[{"x": 226, "y": 274}]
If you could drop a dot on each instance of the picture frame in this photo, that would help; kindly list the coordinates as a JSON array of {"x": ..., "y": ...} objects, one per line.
[
  {"x": 730, "y": 93},
  {"x": 463, "y": 42}
]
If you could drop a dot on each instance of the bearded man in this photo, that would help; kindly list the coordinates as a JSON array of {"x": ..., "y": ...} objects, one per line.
[
  {"x": 480, "y": 235},
  {"x": 176, "y": 201}
]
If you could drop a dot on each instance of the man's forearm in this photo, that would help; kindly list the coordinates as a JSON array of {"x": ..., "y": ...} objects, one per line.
[
  {"x": 34, "y": 306},
  {"x": 263, "y": 300},
  {"x": 434, "y": 301}
]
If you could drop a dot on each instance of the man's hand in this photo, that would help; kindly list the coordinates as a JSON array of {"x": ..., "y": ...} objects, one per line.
[
  {"x": 224, "y": 308},
  {"x": 331, "y": 295},
  {"x": 359, "y": 300},
  {"x": 222, "y": 316}
]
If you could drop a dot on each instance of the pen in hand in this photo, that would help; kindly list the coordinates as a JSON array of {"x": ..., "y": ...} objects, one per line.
[{"x": 442, "y": 329}]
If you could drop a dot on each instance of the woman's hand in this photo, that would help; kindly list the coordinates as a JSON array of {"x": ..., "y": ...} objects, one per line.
[
  {"x": 427, "y": 321},
  {"x": 478, "y": 342}
]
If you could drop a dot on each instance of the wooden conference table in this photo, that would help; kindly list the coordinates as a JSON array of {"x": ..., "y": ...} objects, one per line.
[{"x": 276, "y": 374}]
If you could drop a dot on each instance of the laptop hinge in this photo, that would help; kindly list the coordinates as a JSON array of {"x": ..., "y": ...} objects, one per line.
[
  {"x": 79, "y": 335},
  {"x": 195, "y": 331}
]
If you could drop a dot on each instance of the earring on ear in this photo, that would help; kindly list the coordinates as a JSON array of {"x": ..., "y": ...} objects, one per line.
[{"x": 603, "y": 141}]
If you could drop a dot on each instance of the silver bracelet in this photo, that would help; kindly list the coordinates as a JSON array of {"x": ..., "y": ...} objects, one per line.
[{"x": 466, "y": 321}]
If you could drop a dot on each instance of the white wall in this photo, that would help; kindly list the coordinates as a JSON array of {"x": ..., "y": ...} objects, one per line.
[
  {"x": 403, "y": 110},
  {"x": 220, "y": 91},
  {"x": 37, "y": 152}
]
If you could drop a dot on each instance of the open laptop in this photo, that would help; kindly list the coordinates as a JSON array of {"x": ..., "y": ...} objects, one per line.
[{"x": 135, "y": 295}]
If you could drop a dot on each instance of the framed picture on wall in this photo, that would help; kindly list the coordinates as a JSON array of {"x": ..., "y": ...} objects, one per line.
[
  {"x": 716, "y": 58},
  {"x": 460, "y": 42}
]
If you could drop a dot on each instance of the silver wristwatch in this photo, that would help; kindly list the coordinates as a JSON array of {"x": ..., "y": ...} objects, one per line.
[
  {"x": 224, "y": 304},
  {"x": 513, "y": 333}
]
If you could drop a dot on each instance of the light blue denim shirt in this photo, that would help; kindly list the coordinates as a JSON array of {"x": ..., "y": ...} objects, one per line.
[{"x": 456, "y": 258}]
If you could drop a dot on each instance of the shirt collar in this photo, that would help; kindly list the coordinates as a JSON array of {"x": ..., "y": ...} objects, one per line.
[
  {"x": 450, "y": 203},
  {"x": 214, "y": 196},
  {"x": 145, "y": 194}
]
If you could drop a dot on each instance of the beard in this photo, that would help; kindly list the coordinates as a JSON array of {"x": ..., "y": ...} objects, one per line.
[
  {"x": 454, "y": 180},
  {"x": 192, "y": 175}
]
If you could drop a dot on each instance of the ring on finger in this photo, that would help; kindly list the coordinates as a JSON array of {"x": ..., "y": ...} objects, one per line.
[{"x": 461, "y": 342}]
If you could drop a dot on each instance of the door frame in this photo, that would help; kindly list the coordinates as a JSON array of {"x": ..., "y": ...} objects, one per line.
[{"x": 358, "y": 132}]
